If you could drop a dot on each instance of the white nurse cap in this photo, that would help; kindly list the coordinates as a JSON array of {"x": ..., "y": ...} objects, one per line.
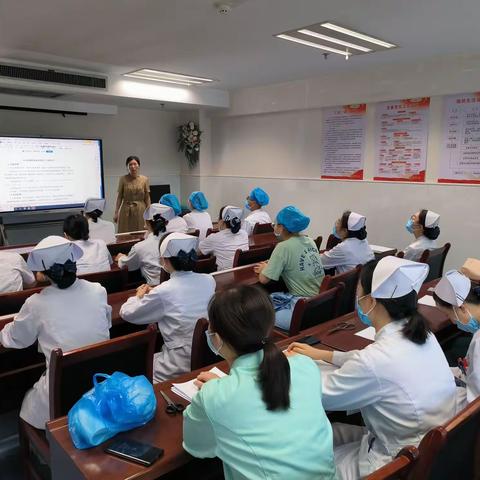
[
  {"x": 453, "y": 288},
  {"x": 395, "y": 277},
  {"x": 431, "y": 219},
  {"x": 230, "y": 212},
  {"x": 355, "y": 221},
  {"x": 175, "y": 242},
  {"x": 158, "y": 209},
  {"x": 50, "y": 250},
  {"x": 94, "y": 204}
]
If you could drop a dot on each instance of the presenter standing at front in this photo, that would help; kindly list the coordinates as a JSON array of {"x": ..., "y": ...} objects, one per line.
[{"x": 133, "y": 198}]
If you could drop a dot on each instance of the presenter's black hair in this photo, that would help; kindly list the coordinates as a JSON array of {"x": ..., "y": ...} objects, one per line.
[
  {"x": 360, "y": 234},
  {"x": 244, "y": 317},
  {"x": 430, "y": 233},
  {"x": 185, "y": 261},
  {"x": 416, "y": 329},
  {"x": 76, "y": 227},
  {"x": 130, "y": 158},
  {"x": 234, "y": 224}
]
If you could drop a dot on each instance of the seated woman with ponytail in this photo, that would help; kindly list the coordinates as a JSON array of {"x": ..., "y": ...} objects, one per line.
[
  {"x": 175, "y": 305},
  {"x": 265, "y": 419},
  {"x": 228, "y": 240},
  {"x": 96, "y": 257},
  {"x": 69, "y": 314},
  {"x": 459, "y": 298},
  {"x": 99, "y": 228},
  {"x": 144, "y": 255},
  {"x": 424, "y": 226},
  {"x": 354, "y": 248},
  {"x": 401, "y": 383}
]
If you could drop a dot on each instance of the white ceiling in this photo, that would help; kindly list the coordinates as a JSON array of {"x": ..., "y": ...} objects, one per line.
[{"x": 189, "y": 36}]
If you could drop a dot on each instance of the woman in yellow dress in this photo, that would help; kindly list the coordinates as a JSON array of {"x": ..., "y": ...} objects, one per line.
[{"x": 132, "y": 199}]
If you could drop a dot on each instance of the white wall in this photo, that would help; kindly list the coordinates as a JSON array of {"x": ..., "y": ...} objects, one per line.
[
  {"x": 271, "y": 137},
  {"x": 150, "y": 134}
]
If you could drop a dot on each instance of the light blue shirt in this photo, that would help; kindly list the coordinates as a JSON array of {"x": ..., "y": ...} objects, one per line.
[{"x": 228, "y": 419}]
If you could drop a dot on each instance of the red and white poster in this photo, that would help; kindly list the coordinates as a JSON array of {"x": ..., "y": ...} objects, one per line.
[
  {"x": 401, "y": 140},
  {"x": 460, "y": 153},
  {"x": 343, "y": 145}
]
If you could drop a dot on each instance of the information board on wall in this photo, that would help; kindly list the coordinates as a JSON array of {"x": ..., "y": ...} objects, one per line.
[
  {"x": 343, "y": 145},
  {"x": 460, "y": 153},
  {"x": 401, "y": 130}
]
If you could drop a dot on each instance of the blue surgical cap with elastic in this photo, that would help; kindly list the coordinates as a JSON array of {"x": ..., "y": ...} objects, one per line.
[
  {"x": 171, "y": 200},
  {"x": 293, "y": 219},
  {"x": 260, "y": 196},
  {"x": 198, "y": 201}
]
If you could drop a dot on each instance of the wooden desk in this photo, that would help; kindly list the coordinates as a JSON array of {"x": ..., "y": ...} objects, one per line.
[{"x": 164, "y": 431}]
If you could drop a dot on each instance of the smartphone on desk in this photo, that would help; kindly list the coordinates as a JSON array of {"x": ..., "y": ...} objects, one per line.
[
  {"x": 137, "y": 452},
  {"x": 310, "y": 340}
]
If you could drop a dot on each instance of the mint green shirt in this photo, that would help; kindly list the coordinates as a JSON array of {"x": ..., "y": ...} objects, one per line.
[
  {"x": 228, "y": 419},
  {"x": 298, "y": 262}
]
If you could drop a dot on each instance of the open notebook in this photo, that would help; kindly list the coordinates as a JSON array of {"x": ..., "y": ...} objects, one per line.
[{"x": 187, "y": 390}]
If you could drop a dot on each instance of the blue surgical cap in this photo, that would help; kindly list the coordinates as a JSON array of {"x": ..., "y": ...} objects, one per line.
[
  {"x": 171, "y": 200},
  {"x": 198, "y": 201},
  {"x": 260, "y": 196},
  {"x": 293, "y": 219}
]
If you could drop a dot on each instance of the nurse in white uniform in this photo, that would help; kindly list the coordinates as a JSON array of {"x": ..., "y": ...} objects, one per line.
[
  {"x": 354, "y": 249},
  {"x": 177, "y": 223},
  {"x": 459, "y": 298},
  {"x": 424, "y": 226},
  {"x": 14, "y": 273},
  {"x": 228, "y": 240},
  {"x": 96, "y": 257},
  {"x": 144, "y": 255},
  {"x": 99, "y": 228},
  {"x": 69, "y": 314},
  {"x": 175, "y": 305},
  {"x": 198, "y": 218},
  {"x": 401, "y": 383},
  {"x": 257, "y": 199}
]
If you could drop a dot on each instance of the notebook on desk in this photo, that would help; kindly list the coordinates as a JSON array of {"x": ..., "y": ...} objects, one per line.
[{"x": 345, "y": 341}]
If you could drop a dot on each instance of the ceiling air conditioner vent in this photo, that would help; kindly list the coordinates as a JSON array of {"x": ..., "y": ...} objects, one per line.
[
  {"x": 52, "y": 76},
  {"x": 29, "y": 93}
]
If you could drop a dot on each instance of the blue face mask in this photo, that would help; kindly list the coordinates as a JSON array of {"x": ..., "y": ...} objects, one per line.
[
  {"x": 364, "y": 318},
  {"x": 409, "y": 226},
  {"x": 212, "y": 347},
  {"x": 335, "y": 233},
  {"x": 471, "y": 326},
  {"x": 247, "y": 206}
]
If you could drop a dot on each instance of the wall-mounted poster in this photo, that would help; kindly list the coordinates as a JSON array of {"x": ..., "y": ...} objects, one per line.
[
  {"x": 343, "y": 147},
  {"x": 460, "y": 154},
  {"x": 401, "y": 130}
]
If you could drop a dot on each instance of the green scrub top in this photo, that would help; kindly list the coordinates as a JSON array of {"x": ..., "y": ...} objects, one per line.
[{"x": 229, "y": 420}]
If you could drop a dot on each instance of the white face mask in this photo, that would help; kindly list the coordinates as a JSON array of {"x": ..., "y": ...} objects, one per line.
[{"x": 212, "y": 347}]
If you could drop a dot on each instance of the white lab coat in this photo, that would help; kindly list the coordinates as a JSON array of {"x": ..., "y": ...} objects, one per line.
[
  {"x": 199, "y": 220},
  {"x": 402, "y": 390},
  {"x": 257, "y": 216},
  {"x": 175, "y": 305},
  {"x": 14, "y": 273},
  {"x": 415, "y": 249},
  {"x": 145, "y": 256},
  {"x": 95, "y": 258},
  {"x": 223, "y": 245},
  {"x": 71, "y": 318},
  {"x": 177, "y": 224},
  {"x": 347, "y": 255},
  {"x": 472, "y": 378},
  {"x": 102, "y": 229}
]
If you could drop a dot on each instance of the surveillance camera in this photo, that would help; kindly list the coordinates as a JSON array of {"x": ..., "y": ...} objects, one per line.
[{"x": 223, "y": 8}]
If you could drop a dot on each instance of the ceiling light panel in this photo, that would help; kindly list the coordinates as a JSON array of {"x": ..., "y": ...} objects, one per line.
[
  {"x": 334, "y": 38},
  {"x": 168, "y": 77}
]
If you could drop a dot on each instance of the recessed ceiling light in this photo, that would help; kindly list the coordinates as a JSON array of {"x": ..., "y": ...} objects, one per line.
[
  {"x": 305, "y": 31},
  {"x": 361, "y": 36},
  {"x": 312, "y": 44},
  {"x": 168, "y": 77}
]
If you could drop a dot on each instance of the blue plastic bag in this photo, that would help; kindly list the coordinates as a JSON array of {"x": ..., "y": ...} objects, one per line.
[{"x": 117, "y": 404}]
